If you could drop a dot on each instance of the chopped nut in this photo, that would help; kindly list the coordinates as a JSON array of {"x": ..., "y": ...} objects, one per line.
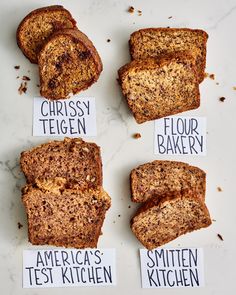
[
  {"x": 85, "y": 149},
  {"x": 25, "y": 78},
  {"x": 19, "y": 225},
  {"x": 137, "y": 135},
  {"x": 220, "y": 237},
  {"x": 222, "y": 98},
  {"x": 16, "y": 67},
  {"x": 88, "y": 177},
  {"x": 219, "y": 189},
  {"x": 22, "y": 88},
  {"x": 131, "y": 9}
]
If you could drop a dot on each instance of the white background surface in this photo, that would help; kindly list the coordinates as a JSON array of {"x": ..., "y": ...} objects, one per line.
[{"x": 101, "y": 20}]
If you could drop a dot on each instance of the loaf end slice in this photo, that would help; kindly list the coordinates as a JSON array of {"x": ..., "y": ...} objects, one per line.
[
  {"x": 68, "y": 64},
  {"x": 152, "y": 42},
  {"x": 64, "y": 217},
  {"x": 155, "y": 88},
  {"x": 158, "y": 178},
  {"x": 159, "y": 222},
  {"x": 76, "y": 161},
  {"x": 38, "y": 25}
]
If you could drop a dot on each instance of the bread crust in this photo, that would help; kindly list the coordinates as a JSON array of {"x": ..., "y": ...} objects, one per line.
[
  {"x": 203, "y": 34},
  {"x": 155, "y": 63},
  {"x": 77, "y": 36},
  {"x": 37, "y": 12}
]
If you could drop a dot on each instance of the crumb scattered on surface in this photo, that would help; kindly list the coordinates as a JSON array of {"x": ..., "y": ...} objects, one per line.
[
  {"x": 213, "y": 220},
  {"x": 129, "y": 206},
  {"x": 108, "y": 40},
  {"x": 25, "y": 78},
  {"x": 37, "y": 85},
  {"x": 222, "y": 99},
  {"x": 114, "y": 221},
  {"x": 19, "y": 225},
  {"x": 119, "y": 215},
  {"x": 219, "y": 189},
  {"x": 17, "y": 77},
  {"x": 137, "y": 135},
  {"x": 16, "y": 67},
  {"x": 131, "y": 9},
  {"x": 139, "y": 12},
  {"x": 22, "y": 88},
  {"x": 170, "y": 17},
  {"x": 28, "y": 71},
  {"x": 234, "y": 88},
  {"x": 212, "y": 76},
  {"x": 220, "y": 237},
  {"x": 217, "y": 83}
]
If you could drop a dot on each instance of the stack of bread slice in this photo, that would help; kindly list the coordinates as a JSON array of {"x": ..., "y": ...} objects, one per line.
[
  {"x": 64, "y": 198},
  {"x": 173, "y": 201},
  {"x": 164, "y": 75},
  {"x": 68, "y": 61}
]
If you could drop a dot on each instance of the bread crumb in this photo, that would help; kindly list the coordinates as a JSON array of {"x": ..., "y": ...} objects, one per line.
[
  {"x": 211, "y": 76},
  {"x": 220, "y": 237},
  {"x": 131, "y": 9},
  {"x": 139, "y": 12},
  {"x": 222, "y": 98},
  {"x": 219, "y": 189},
  {"x": 22, "y": 88},
  {"x": 234, "y": 88},
  {"x": 137, "y": 135},
  {"x": 16, "y": 67},
  {"x": 108, "y": 40},
  {"x": 19, "y": 225},
  {"x": 170, "y": 17},
  {"x": 25, "y": 78}
]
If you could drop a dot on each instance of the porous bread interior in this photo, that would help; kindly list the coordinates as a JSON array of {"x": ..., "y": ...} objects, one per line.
[
  {"x": 159, "y": 225},
  {"x": 158, "y": 92},
  {"x": 76, "y": 161},
  {"x": 158, "y": 178},
  {"x": 151, "y": 43},
  {"x": 66, "y": 66},
  {"x": 67, "y": 217},
  {"x": 39, "y": 26}
]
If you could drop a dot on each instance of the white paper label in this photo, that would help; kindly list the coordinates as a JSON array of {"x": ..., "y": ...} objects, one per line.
[
  {"x": 180, "y": 136},
  {"x": 171, "y": 268},
  {"x": 68, "y": 267},
  {"x": 67, "y": 117}
]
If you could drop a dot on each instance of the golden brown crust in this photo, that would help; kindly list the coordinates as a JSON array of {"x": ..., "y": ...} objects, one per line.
[
  {"x": 148, "y": 64},
  {"x": 77, "y": 37},
  {"x": 134, "y": 44},
  {"x": 38, "y": 12},
  {"x": 159, "y": 178}
]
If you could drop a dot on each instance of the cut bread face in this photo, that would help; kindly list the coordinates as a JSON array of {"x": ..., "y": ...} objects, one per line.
[
  {"x": 68, "y": 64},
  {"x": 155, "y": 88},
  {"x": 76, "y": 161},
  {"x": 153, "y": 42},
  {"x": 158, "y": 178},
  {"x": 64, "y": 217},
  {"x": 38, "y": 25},
  {"x": 159, "y": 222}
]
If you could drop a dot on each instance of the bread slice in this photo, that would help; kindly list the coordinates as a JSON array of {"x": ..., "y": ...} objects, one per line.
[
  {"x": 75, "y": 160},
  {"x": 64, "y": 217},
  {"x": 159, "y": 178},
  {"x": 38, "y": 25},
  {"x": 155, "y": 88},
  {"x": 158, "y": 222},
  {"x": 153, "y": 42},
  {"x": 68, "y": 63}
]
